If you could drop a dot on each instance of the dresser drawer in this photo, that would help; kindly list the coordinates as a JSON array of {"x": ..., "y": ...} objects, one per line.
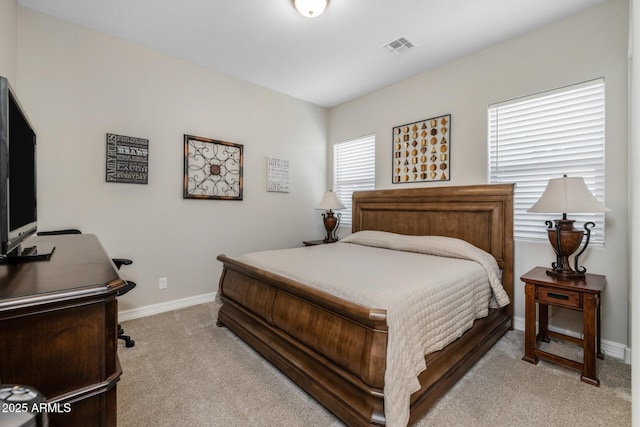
[{"x": 559, "y": 297}]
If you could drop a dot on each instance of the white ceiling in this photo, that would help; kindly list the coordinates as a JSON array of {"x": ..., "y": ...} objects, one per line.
[{"x": 325, "y": 60}]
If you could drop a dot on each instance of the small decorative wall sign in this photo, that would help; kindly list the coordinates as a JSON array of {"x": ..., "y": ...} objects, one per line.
[
  {"x": 421, "y": 151},
  {"x": 212, "y": 169},
  {"x": 127, "y": 159},
  {"x": 277, "y": 175}
]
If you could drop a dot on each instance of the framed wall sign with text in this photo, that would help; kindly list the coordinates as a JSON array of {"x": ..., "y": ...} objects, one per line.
[
  {"x": 127, "y": 159},
  {"x": 277, "y": 175}
]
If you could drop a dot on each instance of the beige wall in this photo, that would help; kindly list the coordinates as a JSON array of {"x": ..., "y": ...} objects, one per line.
[
  {"x": 8, "y": 40},
  {"x": 583, "y": 47},
  {"x": 77, "y": 85}
]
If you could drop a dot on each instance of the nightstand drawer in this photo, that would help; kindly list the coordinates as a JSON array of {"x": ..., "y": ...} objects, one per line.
[{"x": 558, "y": 297}]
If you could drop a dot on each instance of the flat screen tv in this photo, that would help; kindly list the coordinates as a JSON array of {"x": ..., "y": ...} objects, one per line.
[{"x": 18, "y": 207}]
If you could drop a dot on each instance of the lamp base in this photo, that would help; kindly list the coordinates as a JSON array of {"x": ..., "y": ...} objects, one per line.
[
  {"x": 566, "y": 275},
  {"x": 331, "y": 223},
  {"x": 566, "y": 240}
]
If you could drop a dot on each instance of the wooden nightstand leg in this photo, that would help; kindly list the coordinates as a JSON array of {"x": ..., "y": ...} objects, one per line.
[
  {"x": 530, "y": 324},
  {"x": 589, "y": 341},
  {"x": 543, "y": 322},
  {"x": 600, "y": 352}
]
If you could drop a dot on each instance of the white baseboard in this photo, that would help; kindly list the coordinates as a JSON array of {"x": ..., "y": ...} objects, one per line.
[
  {"x": 150, "y": 310},
  {"x": 610, "y": 348}
]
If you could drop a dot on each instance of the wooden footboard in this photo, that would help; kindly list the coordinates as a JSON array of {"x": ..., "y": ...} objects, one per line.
[{"x": 333, "y": 349}]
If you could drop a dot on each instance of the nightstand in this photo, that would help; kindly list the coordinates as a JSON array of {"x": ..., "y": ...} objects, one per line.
[
  {"x": 582, "y": 295},
  {"x": 316, "y": 242}
]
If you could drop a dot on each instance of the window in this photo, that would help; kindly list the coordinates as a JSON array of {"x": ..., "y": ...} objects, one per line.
[
  {"x": 544, "y": 136},
  {"x": 354, "y": 169}
]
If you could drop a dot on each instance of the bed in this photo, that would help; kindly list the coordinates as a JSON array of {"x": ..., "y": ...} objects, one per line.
[{"x": 337, "y": 349}]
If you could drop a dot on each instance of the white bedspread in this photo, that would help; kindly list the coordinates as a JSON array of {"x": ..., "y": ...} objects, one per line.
[{"x": 433, "y": 289}]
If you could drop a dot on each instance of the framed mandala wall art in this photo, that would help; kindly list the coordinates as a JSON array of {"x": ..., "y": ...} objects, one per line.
[
  {"x": 421, "y": 151},
  {"x": 212, "y": 169}
]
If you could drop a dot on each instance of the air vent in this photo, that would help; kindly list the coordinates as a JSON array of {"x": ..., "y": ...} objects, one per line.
[{"x": 398, "y": 46}]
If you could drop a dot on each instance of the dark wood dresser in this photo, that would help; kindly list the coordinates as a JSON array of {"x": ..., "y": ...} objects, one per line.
[{"x": 58, "y": 327}]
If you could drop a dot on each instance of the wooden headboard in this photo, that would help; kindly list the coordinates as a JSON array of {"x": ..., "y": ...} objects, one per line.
[{"x": 480, "y": 214}]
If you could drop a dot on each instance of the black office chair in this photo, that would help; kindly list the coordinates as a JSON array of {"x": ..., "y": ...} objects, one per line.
[{"x": 118, "y": 262}]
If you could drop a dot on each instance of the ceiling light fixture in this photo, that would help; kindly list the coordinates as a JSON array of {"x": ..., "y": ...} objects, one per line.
[{"x": 310, "y": 8}]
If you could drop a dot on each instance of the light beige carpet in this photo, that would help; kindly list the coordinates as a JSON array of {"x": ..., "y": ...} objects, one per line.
[{"x": 185, "y": 371}]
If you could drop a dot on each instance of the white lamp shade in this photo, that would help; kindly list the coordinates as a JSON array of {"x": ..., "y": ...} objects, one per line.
[
  {"x": 310, "y": 8},
  {"x": 330, "y": 202},
  {"x": 567, "y": 195}
]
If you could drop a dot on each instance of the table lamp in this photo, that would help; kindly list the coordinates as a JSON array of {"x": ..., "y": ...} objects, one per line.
[
  {"x": 330, "y": 203},
  {"x": 567, "y": 195}
]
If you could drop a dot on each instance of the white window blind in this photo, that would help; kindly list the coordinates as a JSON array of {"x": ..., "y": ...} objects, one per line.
[
  {"x": 354, "y": 169},
  {"x": 544, "y": 136}
]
